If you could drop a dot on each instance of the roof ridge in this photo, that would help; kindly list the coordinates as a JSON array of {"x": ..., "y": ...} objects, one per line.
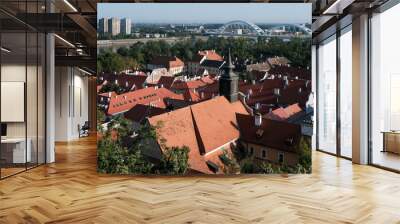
[{"x": 199, "y": 140}]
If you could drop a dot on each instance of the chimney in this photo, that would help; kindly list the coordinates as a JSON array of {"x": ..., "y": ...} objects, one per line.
[
  {"x": 257, "y": 106},
  {"x": 277, "y": 91},
  {"x": 162, "y": 86},
  {"x": 155, "y": 87},
  {"x": 253, "y": 81},
  {"x": 202, "y": 95},
  {"x": 126, "y": 84},
  {"x": 257, "y": 119}
]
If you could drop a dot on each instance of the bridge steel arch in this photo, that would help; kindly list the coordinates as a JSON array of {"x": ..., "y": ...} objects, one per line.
[{"x": 252, "y": 26}]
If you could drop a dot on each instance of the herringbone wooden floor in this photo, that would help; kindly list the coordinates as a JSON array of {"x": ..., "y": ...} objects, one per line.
[{"x": 70, "y": 191}]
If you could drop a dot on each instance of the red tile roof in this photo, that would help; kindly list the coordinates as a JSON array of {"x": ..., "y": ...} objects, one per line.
[
  {"x": 154, "y": 96},
  {"x": 167, "y": 61},
  {"x": 203, "y": 127},
  {"x": 211, "y": 55},
  {"x": 193, "y": 84},
  {"x": 129, "y": 82}
]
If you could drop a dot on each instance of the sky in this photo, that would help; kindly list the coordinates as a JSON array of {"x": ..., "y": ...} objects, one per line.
[{"x": 207, "y": 12}]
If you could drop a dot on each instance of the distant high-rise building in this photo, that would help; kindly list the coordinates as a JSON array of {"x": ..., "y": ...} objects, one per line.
[
  {"x": 126, "y": 26},
  {"x": 103, "y": 25},
  {"x": 114, "y": 26}
]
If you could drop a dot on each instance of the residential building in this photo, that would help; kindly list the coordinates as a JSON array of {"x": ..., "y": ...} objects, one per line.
[
  {"x": 205, "y": 60},
  {"x": 269, "y": 140},
  {"x": 153, "y": 96},
  {"x": 174, "y": 65},
  {"x": 103, "y": 25},
  {"x": 126, "y": 25},
  {"x": 114, "y": 26},
  {"x": 124, "y": 81}
]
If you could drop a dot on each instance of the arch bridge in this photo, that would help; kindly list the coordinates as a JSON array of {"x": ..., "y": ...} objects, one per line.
[{"x": 239, "y": 24}]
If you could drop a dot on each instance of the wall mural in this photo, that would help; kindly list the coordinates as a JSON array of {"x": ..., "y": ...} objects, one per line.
[{"x": 197, "y": 88}]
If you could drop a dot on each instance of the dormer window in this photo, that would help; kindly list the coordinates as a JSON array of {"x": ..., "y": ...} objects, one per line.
[
  {"x": 277, "y": 91},
  {"x": 259, "y": 133},
  {"x": 289, "y": 141}
]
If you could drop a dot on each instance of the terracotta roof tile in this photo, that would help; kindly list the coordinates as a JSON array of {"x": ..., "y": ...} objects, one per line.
[
  {"x": 155, "y": 96},
  {"x": 167, "y": 61},
  {"x": 283, "y": 114},
  {"x": 203, "y": 127},
  {"x": 126, "y": 81},
  {"x": 211, "y": 55}
]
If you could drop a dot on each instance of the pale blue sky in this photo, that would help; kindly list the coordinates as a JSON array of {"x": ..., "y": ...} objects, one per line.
[{"x": 208, "y": 12}]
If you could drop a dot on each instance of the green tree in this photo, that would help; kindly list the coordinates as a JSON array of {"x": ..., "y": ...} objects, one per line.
[
  {"x": 304, "y": 152},
  {"x": 110, "y": 62},
  {"x": 175, "y": 160}
]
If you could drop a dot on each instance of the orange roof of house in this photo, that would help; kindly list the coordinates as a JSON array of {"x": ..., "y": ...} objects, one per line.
[
  {"x": 211, "y": 55},
  {"x": 155, "y": 96},
  {"x": 282, "y": 114},
  {"x": 194, "y": 84},
  {"x": 167, "y": 61},
  {"x": 203, "y": 127}
]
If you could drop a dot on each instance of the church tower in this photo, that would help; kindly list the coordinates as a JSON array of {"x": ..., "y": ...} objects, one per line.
[{"x": 228, "y": 82}]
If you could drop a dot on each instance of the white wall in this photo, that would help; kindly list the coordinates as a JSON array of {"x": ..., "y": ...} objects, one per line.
[{"x": 71, "y": 102}]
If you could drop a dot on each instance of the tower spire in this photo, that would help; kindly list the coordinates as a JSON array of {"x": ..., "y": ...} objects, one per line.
[
  {"x": 228, "y": 67},
  {"x": 228, "y": 83}
]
